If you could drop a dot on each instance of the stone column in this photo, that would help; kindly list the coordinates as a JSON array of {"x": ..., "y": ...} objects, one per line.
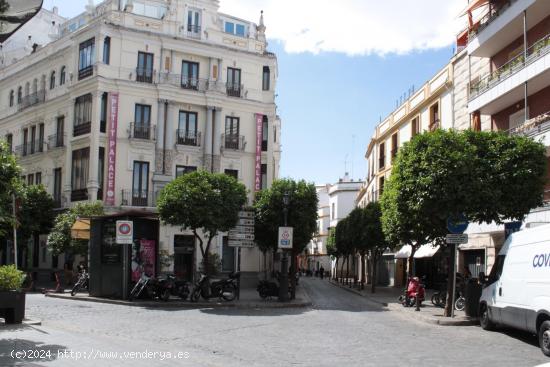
[
  {"x": 218, "y": 131},
  {"x": 208, "y": 131},
  {"x": 66, "y": 171},
  {"x": 93, "y": 184}
]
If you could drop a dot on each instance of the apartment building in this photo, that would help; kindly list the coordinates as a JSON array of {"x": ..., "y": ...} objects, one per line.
[
  {"x": 510, "y": 40},
  {"x": 132, "y": 94},
  {"x": 316, "y": 251}
]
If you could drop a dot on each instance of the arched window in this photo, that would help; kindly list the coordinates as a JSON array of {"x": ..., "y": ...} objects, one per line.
[
  {"x": 27, "y": 88},
  {"x": 12, "y": 96},
  {"x": 34, "y": 86},
  {"x": 52, "y": 80},
  {"x": 19, "y": 95},
  {"x": 62, "y": 76}
]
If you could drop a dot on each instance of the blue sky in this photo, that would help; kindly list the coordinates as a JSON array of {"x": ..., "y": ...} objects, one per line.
[{"x": 336, "y": 81}]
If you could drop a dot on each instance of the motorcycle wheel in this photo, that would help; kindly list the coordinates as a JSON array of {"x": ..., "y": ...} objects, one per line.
[
  {"x": 165, "y": 295},
  {"x": 75, "y": 289},
  {"x": 411, "y": 302},
  {"x": 229, "y": 293},
  {"x": 135, "y": 292},
  {"x": 183, "y": 293},
  {"x": 435, "y": 299},
  {"x": 195, "y": 295},
  {"x": 263, "y": 293},
  {"x": 460, "y": 304}
]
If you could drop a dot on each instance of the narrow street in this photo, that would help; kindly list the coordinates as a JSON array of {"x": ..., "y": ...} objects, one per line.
[{"x": 340, "y": 329}]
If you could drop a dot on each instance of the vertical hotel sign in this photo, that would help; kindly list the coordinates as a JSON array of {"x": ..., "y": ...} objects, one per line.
[
  {"x": 258, "y": 165},
  {"x": 111, "y": 153}
]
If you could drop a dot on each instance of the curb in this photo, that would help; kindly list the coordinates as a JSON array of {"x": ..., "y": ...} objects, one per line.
[
  {"x": 32, "y": 322},
  {"x": 189, "y": 305},
  {"x": 416, "y": 315}
]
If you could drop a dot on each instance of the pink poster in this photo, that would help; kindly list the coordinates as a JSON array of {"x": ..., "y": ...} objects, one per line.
[
  {"x": 259, "y": 136},
  {"x": 143, "y": 259},
  {"x": 109, "y": 198}
]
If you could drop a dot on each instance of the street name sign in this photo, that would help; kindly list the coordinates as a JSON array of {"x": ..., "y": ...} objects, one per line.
[
  {"x": 285, "y": 237},
  {"x": 457, "y": 239},
  {"x": 240, "y": 243},
  {"x": 243, "y": 233}
]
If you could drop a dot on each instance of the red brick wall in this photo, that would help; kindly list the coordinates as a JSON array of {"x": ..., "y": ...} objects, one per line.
[
  {"x": 533, "y": 35},
  {"x": 538, "y": 103}
]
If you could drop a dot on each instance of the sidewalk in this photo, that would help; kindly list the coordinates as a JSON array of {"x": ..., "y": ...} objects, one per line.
[
  {"x": 388, "y": 297},
  {"x": 249, "y": 299}
]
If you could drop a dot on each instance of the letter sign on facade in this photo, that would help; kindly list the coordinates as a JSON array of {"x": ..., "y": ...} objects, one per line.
[
  {"x": 258, "y": 165},
  {"x": 111, "y": 151}
]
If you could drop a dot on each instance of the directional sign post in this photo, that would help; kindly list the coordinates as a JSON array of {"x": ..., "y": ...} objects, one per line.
[
  {"x": 243, "y": 233},
  {"x": 456, "y": 226}
]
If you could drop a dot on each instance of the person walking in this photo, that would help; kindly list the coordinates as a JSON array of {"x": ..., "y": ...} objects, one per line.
[{"x": 322, "y": 271}]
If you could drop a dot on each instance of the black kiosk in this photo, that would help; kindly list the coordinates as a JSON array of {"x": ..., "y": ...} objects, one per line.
[{"x": 114, "y": 267}]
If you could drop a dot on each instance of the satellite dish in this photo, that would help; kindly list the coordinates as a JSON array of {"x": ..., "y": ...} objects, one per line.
[{"x": 14, "y": 14}]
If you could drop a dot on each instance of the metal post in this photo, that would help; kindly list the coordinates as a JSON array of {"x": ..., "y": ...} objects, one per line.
[
  {"x": 14, "y": 231},
  {"x": 283, "y": 284},
  {"x": 453, "y": 264}
]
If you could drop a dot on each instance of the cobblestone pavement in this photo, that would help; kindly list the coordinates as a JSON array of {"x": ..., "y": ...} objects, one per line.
[{"x": 341, "y": 329}]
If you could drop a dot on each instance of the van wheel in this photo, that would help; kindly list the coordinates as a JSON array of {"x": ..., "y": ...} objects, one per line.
[
  {"x": 484, "y": 319},
  {"x": 544, "y": 338}
]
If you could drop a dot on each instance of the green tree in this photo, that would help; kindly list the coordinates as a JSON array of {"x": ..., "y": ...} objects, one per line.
[
  {"x": 344, "y": 245},
  {"x": 60, "y": 239},
  {"x": 302, "y": 216},
  {"x": 36, "y": 214},
  {"x": 10, "y": 184},
  {"x": 484, "y": 175},
  {"x": 374, "y": 237},
  {"x": 357, "y": 239},
  {"x": 202, "y": 201},
  {"x": 332, "y": 250}
]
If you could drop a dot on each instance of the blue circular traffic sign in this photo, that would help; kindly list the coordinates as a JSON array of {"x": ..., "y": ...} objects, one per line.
[{"x": 457, "y": 225}]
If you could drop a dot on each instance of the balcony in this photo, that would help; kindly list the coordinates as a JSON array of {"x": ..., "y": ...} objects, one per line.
[
  {"x": 194, "y": 31},
  {"x": 233, "y": 142},
  {"x": 502, "y": 25},
  {"x": 56, "y": 141},
  {"x": 32, "y": 99},
  {"x": 145, "y": 75},
  {"x": 193, "y": 84},
  {"x": 139, "y": 198},
  {"x": 81, "y": 127},
  {"x": 30, "y": 148},
  {"x": 234, "y": 90},
  {"x": 189, "y": 138},
  {"x": 141, "y": 131},
  {"x": 534, "y": 126},
  {"x": 509, "y": 79},
  {"x": 85, "y": 72}
]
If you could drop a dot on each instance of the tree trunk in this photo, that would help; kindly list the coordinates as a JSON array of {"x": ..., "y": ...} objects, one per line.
[
  {"x": 450, "y": 277},
  {"x": 265, "y": 265},
  {"x": 373, "y": 273},
  {"x": 347, "y": 271},
  {"x": 363, "y": 270},
  {"x": 342, "y": 280},
  {"x": 354, "y": 269},
  {"x": 293, "y": 275},
  {"x": 335, "y": 275}
]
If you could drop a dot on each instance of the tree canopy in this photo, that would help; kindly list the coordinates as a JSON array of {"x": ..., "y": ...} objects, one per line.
[
  {"x": 486, "y": 176},
  {"x": 302, "y": 214},
  {"x": 209, "y": 202},
  {"x": 36, "y": 215},
  {"x": 60, "y": 239}
]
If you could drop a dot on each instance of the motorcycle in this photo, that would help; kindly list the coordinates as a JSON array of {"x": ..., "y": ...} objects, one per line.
[
  {"x": 154, "y": 288},
  {"x": 81, "y": 283},
  {"x": 415, "y": 288},
  {"x": 269, "y": 289},
  {"x": 224, "y": 289},
  {"x": 178, "y": 288}
]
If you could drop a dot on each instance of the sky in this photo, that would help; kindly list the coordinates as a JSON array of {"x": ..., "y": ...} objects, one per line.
[{"x": 342, "y": 66}]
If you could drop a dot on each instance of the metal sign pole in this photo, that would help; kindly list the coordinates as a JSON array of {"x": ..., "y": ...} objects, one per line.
[
  {"x": 14, "y": 231},
  {"x": 454, "y": 281}
]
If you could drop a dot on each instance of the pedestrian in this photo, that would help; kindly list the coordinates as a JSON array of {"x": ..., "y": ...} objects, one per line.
[{"x": 322, "y": 271}]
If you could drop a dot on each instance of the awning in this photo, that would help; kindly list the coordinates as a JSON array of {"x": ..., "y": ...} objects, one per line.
[
  {"x": 427, "y": 250},
  {"x": 404, "y": 252},
  {"x": 81, "y": 229}
]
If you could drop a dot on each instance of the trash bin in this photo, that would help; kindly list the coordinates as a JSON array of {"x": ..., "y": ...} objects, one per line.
[{"x": 473, "y": 294}]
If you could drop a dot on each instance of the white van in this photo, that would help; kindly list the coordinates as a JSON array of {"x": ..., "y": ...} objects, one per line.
[{"x": 517, "y": 292}]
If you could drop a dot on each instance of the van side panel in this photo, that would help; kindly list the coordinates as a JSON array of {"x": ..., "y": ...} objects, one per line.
[{"x": 537, "y": 277}]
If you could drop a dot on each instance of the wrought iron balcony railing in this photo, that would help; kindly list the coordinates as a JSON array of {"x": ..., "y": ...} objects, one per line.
[
  {"x": 190, "y": 138},
  {"x": 141, "y": 131},
  {"x": 139, "y": 198},
  {"x": 32, "y": 99},
  {"x": 56, "y": 141},
  {"x": 233, "y": 142},
  {"x": 234, "y": 90}
]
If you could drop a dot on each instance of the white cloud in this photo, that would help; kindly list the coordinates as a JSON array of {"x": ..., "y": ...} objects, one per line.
[{"x": 355, "y": 27}]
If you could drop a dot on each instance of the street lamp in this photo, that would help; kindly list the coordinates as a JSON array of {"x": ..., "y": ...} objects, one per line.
[{"x": 283, "y": 285}]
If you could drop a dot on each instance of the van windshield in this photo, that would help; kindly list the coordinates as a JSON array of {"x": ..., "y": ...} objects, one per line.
[{"x": 496, "y": 271}]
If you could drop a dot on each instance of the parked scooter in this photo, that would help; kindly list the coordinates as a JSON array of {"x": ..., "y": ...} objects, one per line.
[
  {"x": 269, "y": 289},
  {"x": 178, "y": 288},
  {"x": 225, "y": 289},
  {"x": 81, "y": 283},
  {"x": 415, "y": 288}
]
